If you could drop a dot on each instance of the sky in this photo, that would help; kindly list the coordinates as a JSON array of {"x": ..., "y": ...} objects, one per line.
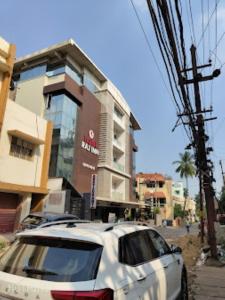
[{"x": 108, "y": 31}]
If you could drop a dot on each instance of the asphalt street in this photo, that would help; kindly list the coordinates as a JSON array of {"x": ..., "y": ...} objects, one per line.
[{"x": 175, "y": 232}]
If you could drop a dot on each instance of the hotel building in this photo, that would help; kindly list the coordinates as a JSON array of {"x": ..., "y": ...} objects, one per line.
[{"x": 93, "y": 130}]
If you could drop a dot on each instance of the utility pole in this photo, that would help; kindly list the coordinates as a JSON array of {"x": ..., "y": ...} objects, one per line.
[
  {"x": 200, "y": 139},
  {"x": 201, "y": 207},
  {"x": 221, "y": 166}
]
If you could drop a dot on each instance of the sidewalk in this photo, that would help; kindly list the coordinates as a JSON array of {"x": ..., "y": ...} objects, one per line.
[{"x": 207, "y": 283}]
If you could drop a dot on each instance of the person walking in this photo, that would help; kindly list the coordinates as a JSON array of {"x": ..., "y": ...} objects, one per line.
[{"x": 187, "y": 224}]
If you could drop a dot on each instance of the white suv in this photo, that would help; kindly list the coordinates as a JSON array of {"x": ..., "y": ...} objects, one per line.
[{"x": 92, "y": 261}]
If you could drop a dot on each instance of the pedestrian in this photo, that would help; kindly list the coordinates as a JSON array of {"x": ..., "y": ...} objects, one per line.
[
  {"x": 164, "y": 223},
  {"x": 187, "y": 224}
]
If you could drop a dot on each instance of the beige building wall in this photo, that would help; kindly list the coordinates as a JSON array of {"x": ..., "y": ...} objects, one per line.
[
  {"x": 16, "y": 170},
  {"x": 166, "y": 212},
  {"x": 29, "y": 94}
]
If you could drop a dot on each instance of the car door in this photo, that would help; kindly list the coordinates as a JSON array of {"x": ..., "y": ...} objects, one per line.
[
  {"x": 140, "y": 264},
  {"x": 170, "y": 263}
]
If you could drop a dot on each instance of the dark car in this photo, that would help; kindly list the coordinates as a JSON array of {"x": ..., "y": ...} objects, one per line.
[
  {"x": 37, "y": 219},
  {"x": 221, "y": 219}
]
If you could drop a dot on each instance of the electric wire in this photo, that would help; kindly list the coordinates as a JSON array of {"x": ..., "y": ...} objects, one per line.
[
  {"x": 189, "y": 23},
  {"x": 158, "y": 33},
  {"x": 208, "y": 23},
  {"x": 203, "y": 32},
  {"x": 173, "y": 97},
  {"x": 151, "y": 50},
  {"x": 192, "y": 21}
]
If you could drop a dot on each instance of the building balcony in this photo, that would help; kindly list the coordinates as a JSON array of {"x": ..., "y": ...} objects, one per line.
[
  {"x": 118, "y": 144},
  {"x": 117, "y": 196},
  {"x": 118, "y": 166},
  {"x": 119, "y": 122},
  {"x": 118, "y": 148}
]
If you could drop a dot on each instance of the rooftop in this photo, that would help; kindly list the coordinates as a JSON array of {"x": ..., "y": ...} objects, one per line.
[
  {"x": 70, "y": 48},
  {"x": 151, "y": 176}
]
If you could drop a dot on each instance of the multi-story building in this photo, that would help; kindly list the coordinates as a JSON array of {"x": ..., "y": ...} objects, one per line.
[
  {"x": 179, "y": 198},
  {"x": 25, "y": 140},
  {"x": 93, "y": 129},
  {"x": 178, "y": 193},
  {"x": 155, "y": 193}
]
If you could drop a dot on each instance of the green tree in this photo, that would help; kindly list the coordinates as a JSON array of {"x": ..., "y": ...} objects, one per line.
[
  {"x": 178, "y": 212},
  {"x": 186, "y": 169}
]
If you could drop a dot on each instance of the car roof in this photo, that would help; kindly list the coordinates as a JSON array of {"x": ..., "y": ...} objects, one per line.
[
  {"x": 89, "y": 232},
  {"x": 52, "y": 216}
]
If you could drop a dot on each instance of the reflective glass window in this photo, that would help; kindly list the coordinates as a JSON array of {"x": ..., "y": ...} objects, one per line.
[
  {"x": 135, "y": 248},
  {"x": 33, "y": 72},
  {"x": 88, "y": 82},
  {"x": 52, "y": 259},
  {"x": 57, "y": 70},
  {"x": 62, "y": 112},
  {"x": 159, "y": 243},
  {"x": 74, "y": 75}
]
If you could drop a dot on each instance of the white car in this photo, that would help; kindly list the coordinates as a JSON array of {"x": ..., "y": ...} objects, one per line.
[{"x": 92, "y": 261}]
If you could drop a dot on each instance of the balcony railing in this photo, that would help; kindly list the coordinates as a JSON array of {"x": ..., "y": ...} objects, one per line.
[
  {"x": 117, "y": 196},
  {"x": 118, "y": 166}
]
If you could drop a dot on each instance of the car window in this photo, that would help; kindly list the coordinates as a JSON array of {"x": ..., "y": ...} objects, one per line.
[
  {"x": 33, "y": 220},
  {"x": 159, "y": 243},
  {"x": 52, "y": 259},
  {"x": 135, "y": 248}
]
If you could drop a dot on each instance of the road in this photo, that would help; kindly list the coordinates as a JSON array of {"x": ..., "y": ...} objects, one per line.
[{"x": 170, "y": 233}]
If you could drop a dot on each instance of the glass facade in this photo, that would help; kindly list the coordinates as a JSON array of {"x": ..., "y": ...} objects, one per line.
[
  {"x": 88, "y": 82},
  {"x": 62, "y": 111},
  {"x": 33, "y": 72},
  {"x": 57, "y": 70}
]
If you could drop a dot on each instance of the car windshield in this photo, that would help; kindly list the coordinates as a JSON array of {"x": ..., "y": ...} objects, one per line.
[
  {"x": 33, "y": 220},
  {"x": 52, "y": 259}
]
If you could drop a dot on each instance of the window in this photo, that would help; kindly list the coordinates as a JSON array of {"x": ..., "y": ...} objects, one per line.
[
  {"x": 159, "y": 243},
  {"x": 162, "y": 201},
  {"x": 177, "y": 192},
  {"x": 52, "y": 259},
  {"x": 20, "y": 148},
  {"x": 55, "y": 70},
  {"x": 33, "y": 72},
  {"x": 150, "y": 184},
  {"x": 62, "y": 111},
  {"x": 161, "y": 184},
  {"x": 60, "y": 69},
  {"x": 118, "y": 113},
  {"x": 135, "y": 248},
  {"x": 89, "y": 83}
]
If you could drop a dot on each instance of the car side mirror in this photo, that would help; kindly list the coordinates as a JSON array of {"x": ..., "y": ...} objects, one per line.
[{"x": 176, "y": 249}]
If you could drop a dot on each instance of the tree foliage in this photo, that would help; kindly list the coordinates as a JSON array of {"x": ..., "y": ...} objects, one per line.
[
  {"x": 186, "y": 169},
  {"x": 186, "y": 166},
  {"x": 178, "y": 212}
]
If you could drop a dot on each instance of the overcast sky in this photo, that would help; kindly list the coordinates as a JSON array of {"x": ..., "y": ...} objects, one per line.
[{"x": 108, "y": 31}]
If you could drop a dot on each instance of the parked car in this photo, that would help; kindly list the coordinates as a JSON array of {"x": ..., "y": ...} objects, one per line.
[
  {"x": 221, "y": 219},
  {"x": 38, "y": 219},
  {"x": 92, "y": 261}
]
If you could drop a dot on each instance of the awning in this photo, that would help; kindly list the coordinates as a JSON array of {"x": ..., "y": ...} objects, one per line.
[
  {"x": 156, "y": 195},
  {"x": 26, "y": 137},
  {"x": 123, "y": 204}
]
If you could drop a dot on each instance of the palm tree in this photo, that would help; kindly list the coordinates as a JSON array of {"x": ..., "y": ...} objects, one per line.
[{"x": 186, "y": 169}]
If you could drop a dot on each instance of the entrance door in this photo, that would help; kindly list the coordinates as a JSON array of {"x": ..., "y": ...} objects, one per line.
[{"x": 8, "y": 206}]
